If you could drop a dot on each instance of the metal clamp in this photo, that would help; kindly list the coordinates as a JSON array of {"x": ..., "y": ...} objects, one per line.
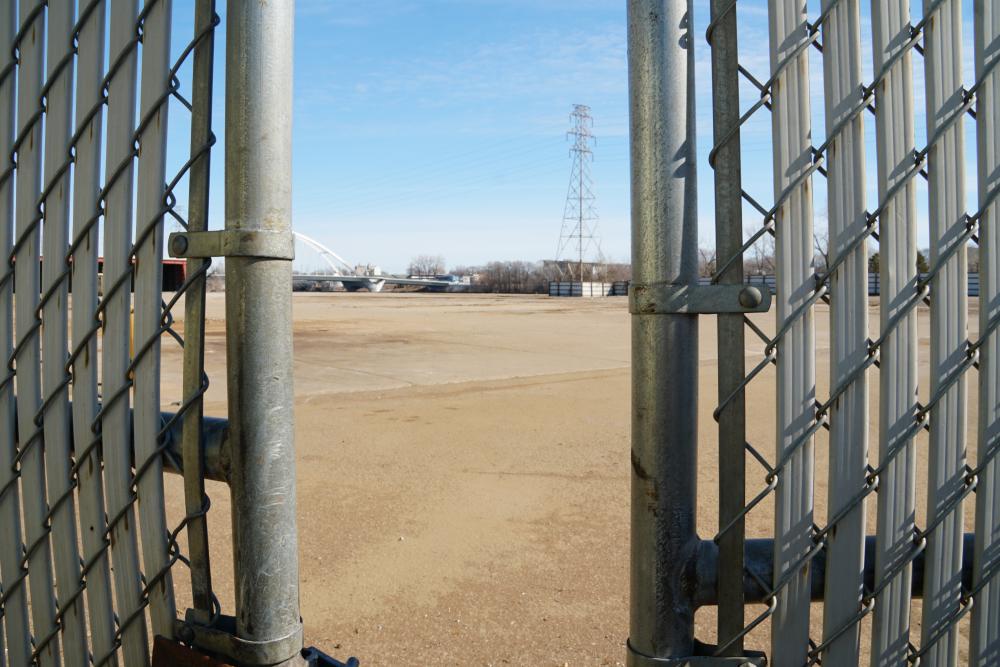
[
  {"x": 221, "y": 640},
  {"x": 232, "y": 243},
  {"x": 637, "y": 659},
  {"x": 670, "y": 299}
]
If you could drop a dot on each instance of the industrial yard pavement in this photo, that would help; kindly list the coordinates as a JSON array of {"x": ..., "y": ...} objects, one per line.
[{"x": 464, "y": 470}]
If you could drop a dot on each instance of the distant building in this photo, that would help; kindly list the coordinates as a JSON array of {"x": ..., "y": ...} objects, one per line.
[{"x": 174, "y": 273}]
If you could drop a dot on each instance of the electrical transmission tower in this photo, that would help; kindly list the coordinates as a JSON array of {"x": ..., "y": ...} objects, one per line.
[{"x": 579, "y": 224}]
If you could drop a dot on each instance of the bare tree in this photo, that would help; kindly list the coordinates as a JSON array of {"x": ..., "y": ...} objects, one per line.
[
  {"x": 618, "y": 272},
  {"x": 463, "y": 270},
  {"x": 821, "y": 242},
  {"x": 875, "y": 263},
  {"x": 706, "y": 262},
  {"x": 510, "y": 277},
  {"x": 923, "y": 266},
  {"x": 759, "y": 258},
  {"x": 520, "y": 277},
  {"x": 973, "y": 258},
  {"x": 427, "y": 265}
]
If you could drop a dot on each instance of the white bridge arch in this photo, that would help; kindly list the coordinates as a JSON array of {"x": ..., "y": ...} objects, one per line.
[
  {"x": 353, "y": 280},
  {"x": 343, "y": 272}
]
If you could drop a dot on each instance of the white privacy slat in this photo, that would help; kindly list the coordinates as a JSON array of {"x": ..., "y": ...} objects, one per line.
[
  {"x": 56, "y": 419},
  {"x": 796, "y": 352},
  {"x": 148, "y": 300},
  {"x": 848, "y": 329},
  {"x": 949, "y": 333},
  {"x": 16, "y": 605},
  {"x": 984, "y": 648},
  {"x": 116, "y": 422},
  {"x": 27, "y": 188},
  {"x": 898, "y": 356},
  {"x": 86, "y": 187}
]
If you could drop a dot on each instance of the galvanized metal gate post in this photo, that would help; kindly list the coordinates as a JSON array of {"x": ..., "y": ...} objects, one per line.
[
  {"x": 259, "y": 52},
  {"x": 664, "y": 346},
  {"x": 672, "y": 571}
]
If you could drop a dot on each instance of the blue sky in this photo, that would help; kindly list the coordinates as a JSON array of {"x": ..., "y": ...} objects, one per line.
[{"x": 439, "y": 126}]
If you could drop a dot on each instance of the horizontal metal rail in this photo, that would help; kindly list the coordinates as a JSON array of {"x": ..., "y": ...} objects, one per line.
[
  {"x": 758, "y": 585},
  {"x": 217, "y": 447},
  {"x": 215, "y": 434}
]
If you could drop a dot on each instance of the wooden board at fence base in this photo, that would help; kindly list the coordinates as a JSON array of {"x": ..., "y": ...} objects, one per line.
[{"x": 167, "y": 653}]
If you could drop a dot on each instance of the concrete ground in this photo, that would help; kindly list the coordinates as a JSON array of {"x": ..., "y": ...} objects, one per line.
[{"x": 463, "y": 473}]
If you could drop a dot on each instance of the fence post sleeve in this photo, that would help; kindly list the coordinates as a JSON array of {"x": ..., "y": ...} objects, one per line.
[
  {"x": 664, "y": 346},
  {"x": 259, "y": 50}
]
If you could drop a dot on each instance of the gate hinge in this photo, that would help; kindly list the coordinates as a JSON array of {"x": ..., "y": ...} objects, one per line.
[
  {"x": 232, "y": 243},
  {"x": 221, "y": 640},
  {"x": 670, "y": 299}
]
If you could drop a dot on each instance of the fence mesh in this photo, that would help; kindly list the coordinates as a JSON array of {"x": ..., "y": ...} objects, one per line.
[
  {"x": 887, "y": 353},
  {"x": 91, "y": 178}
]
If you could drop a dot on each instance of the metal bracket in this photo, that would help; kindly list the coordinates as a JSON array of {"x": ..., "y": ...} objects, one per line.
[
  {"x": 636, "y": 659},
  {"x": 232, "y": 243},
  {"x": 670, "y": 299},
  {"x": 221, "y": 640},
  {"x": 316, "y": 658}
]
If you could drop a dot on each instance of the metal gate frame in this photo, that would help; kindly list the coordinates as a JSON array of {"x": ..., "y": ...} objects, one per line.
[{"x": 673, "y": 571}]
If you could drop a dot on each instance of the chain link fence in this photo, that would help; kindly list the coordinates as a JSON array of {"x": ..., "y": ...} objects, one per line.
[
  {"x": 858, "y": 578},
  {"x": 84, "y": 198},
  {"x": 92, "y": 182}
]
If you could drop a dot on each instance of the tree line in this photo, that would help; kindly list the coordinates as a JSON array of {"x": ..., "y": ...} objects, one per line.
[{"x": 513, "y": 276}]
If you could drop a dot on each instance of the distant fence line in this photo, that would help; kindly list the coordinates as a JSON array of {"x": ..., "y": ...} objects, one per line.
[
  {"x": 588, "y": 289},
  {"x": 621, "y": 287}
]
